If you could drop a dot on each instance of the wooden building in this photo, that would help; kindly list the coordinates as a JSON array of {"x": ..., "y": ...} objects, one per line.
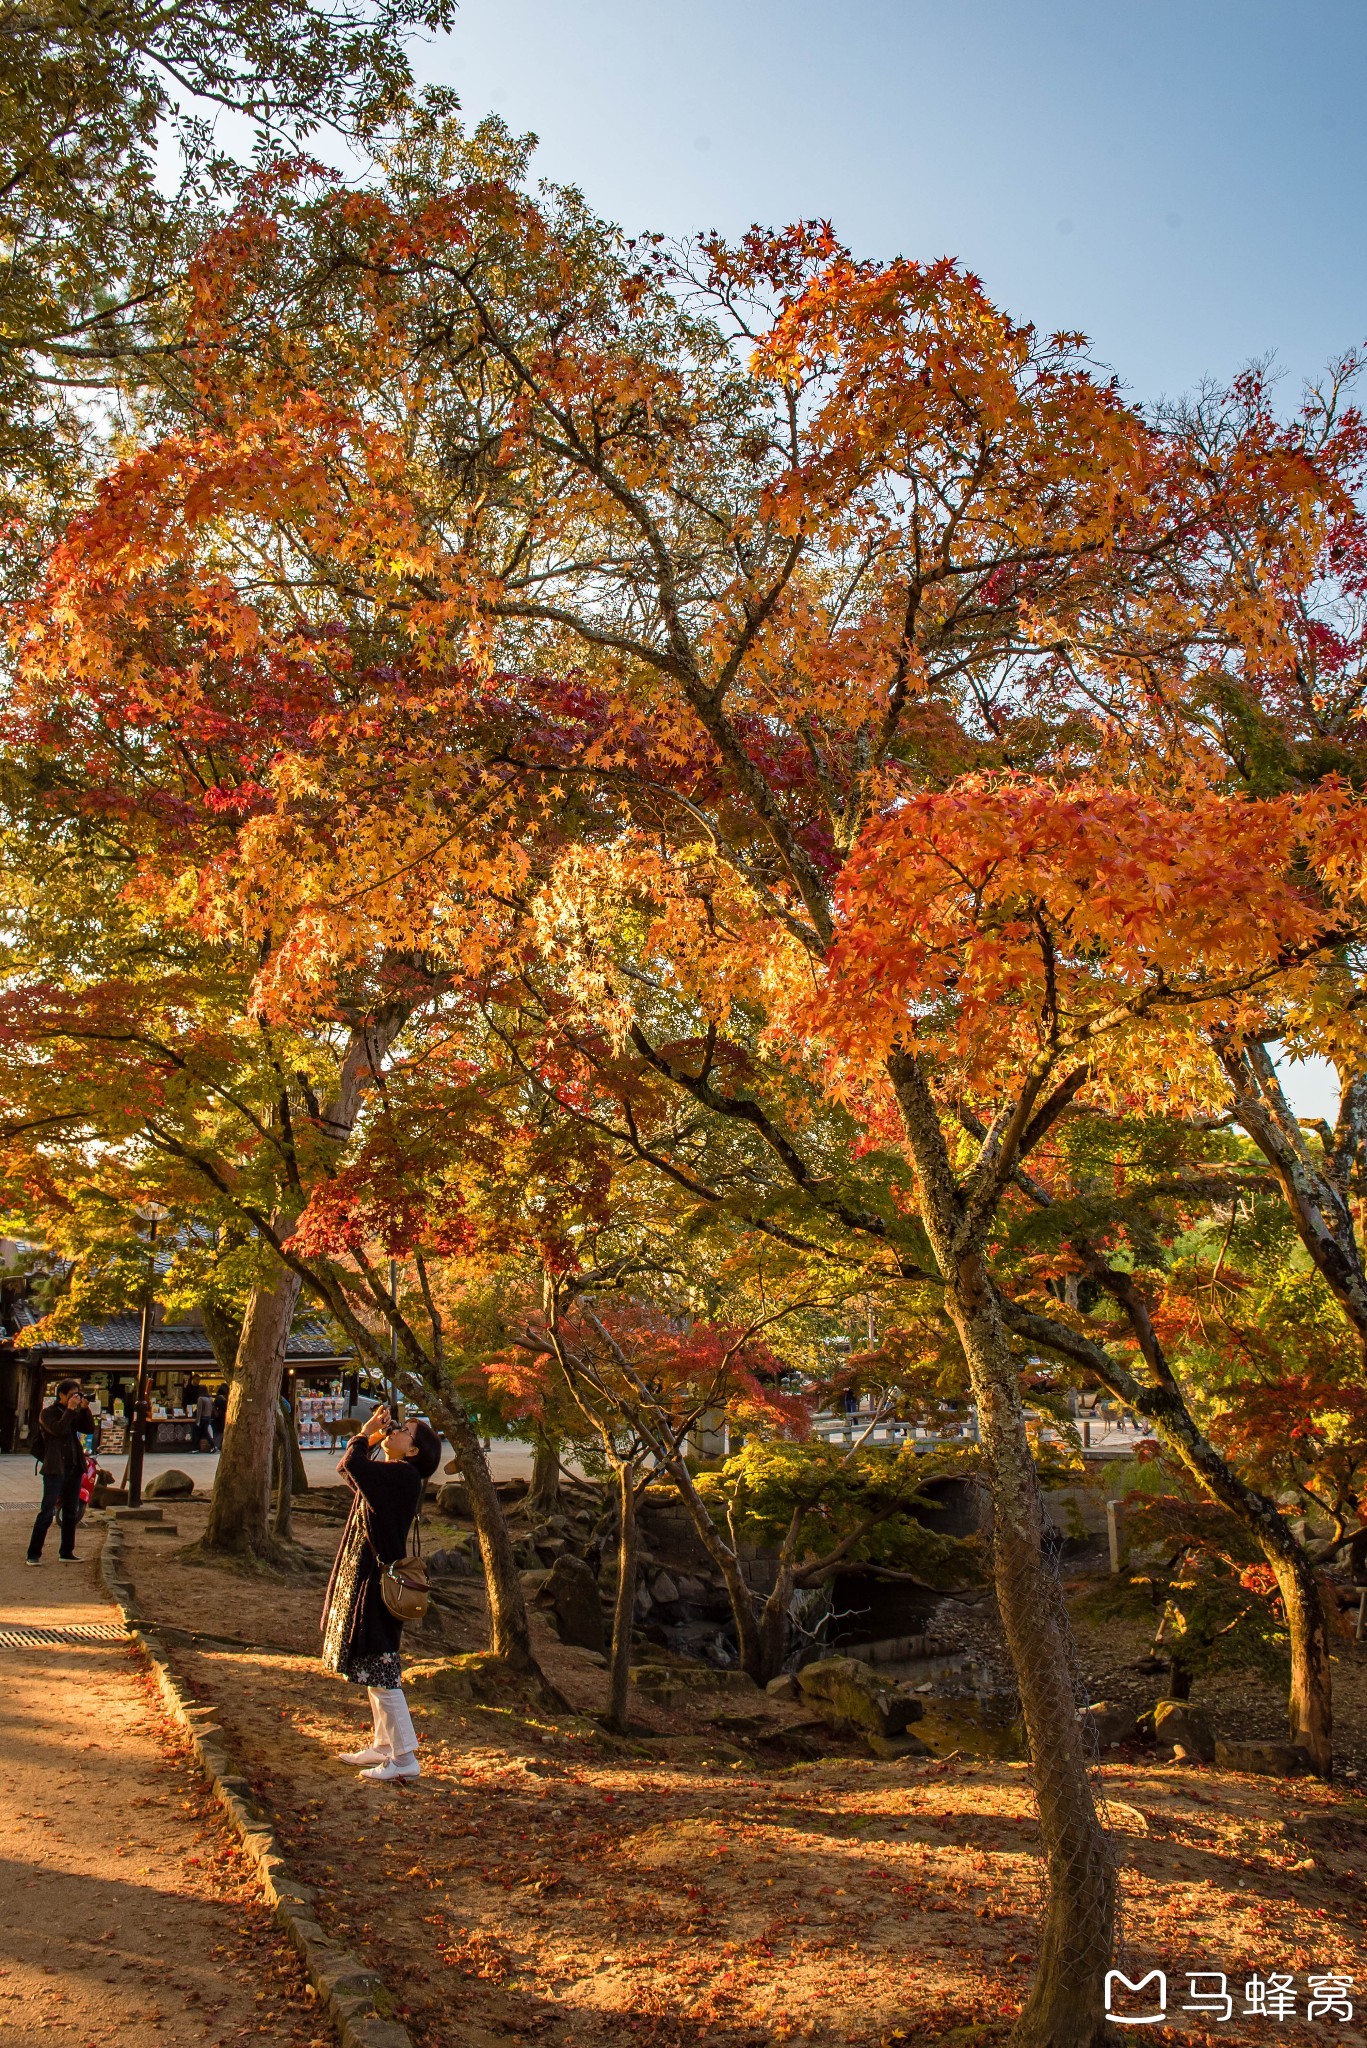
[{"x": 106, "y": 1362}]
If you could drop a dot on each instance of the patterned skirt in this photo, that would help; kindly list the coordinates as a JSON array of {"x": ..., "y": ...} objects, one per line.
[{"x": 378, "y": 1668}]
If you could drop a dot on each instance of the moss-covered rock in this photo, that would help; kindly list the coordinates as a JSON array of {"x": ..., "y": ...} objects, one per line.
[{"x": 852, "y": 1692}]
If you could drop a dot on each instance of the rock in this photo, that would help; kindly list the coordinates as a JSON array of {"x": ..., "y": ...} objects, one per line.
[
  {"x": 894, "y": 1746},
  {"x": 784, "y": 1688},
  {"x": 723, "y": 1678},
  {"x": 691, "y": 1588},
  {"x": 721, "y": 1714},
  {"x": 453, "y": 1498},
  {"x": 810, "y": 1738},
  {"x": 535, "y": 1581},
  {"x": 678, "y": 1685},
  {"x": 477, "y": 1676},
  {"x": 572, "y": 1595},
  {"x": 1186, "y": 1728},
  {"x": 661, "y": 1683},
  {"x": 664, "y": 1591},
  {"x": 852, "y": 1693},
  {"x": 704, "y": 1677},
  {"x": 172, "y": 1485},
  {"x": 972, "y": 1725},
  {"x": 1263, "y": 1759},
  {"x": 455, "y": 1563},
  {"x": 698, "y": 1749},
  {"x": 1110, "y": 1724}
]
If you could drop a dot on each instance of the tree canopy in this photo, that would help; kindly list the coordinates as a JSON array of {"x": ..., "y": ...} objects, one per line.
[{"x": 700, "y": 797}]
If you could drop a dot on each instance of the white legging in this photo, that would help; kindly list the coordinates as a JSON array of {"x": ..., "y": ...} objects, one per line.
[{"x": 394, "y": 1729}]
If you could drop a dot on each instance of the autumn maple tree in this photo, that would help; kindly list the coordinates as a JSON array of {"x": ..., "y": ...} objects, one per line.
[
  {"x": 644, "y": 1382},
  {"x": 784, "y": 679},
  {"x": 1118, "y": 1259}
]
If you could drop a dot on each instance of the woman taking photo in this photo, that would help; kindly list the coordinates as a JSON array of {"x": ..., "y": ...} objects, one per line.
[{"x": 360, "y": 1636}]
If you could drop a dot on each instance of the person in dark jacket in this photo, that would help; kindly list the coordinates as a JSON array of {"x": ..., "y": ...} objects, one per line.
[
  {"x": 361, "y": 1637},
  {"x": 62, "y": 1455}
]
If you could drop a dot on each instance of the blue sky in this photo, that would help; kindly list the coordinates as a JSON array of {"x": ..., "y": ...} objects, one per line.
[{"x": 1184, "y": 183}]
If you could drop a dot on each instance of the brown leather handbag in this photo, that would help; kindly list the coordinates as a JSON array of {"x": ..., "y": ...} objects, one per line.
[{"x": 404, "y": 1586}]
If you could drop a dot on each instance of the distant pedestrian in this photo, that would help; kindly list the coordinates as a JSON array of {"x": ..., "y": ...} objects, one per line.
[
  {"x": 204, "y": 1420},
  {"x": 361, "y": 1637},
  {"x": 61, "y": 1454},
  {"x": 220, "y": 1417}
]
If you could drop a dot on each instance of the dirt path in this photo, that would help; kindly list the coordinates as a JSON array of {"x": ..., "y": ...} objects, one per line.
[
  {"x": 695, "y": 1890},
  {"x": 128, "y": 1915}
]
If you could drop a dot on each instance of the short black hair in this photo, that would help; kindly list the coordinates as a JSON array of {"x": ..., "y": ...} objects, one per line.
[
  {"x": 68, "y": 1387},
  {"x": 426, "y": 1448}
]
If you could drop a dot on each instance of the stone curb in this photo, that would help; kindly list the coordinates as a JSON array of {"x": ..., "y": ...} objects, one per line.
[{"x": 354, "y": 1995}]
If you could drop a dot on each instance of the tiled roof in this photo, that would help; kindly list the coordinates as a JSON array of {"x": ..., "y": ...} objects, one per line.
[{"x": 117, "y": 1337}]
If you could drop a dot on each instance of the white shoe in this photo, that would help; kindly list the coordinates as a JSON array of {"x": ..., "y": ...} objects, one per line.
[
  {"x": 363, "y": 1756},
  {"x": 394, "y": 1767},
  {"x": 34, "y": 1561}
]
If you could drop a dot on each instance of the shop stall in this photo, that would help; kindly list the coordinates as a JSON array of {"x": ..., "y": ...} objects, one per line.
[{"x": 180, "y": 1363}]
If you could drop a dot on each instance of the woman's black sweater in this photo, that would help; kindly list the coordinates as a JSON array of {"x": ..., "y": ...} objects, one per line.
[{"x": 387, "y": 1496}]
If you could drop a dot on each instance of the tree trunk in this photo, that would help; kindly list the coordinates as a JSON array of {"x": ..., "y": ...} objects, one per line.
[
  {"x": 1317, "y": 1202},
  {"x": 299, "y": 1478},
  {"x": 774, "y": 1615},
  {"x": 728, "y": 1564},
  {"x": 544, "y": 1497},
  {"x": 510, "y": 1632},
  {"x": 282, "y": 1522},
  {"x": 224, "y": 1332},
  {"x": 1311, "y": 1709},
  {"x": 773, "y": 1626},
  {"x": 624, "y": 1607},
  {"x": 239, "y": 1513},
  {"x": 1065, "y": 2007}
]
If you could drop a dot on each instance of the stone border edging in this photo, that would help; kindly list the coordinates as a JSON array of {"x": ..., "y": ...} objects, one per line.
[{"x": 351, "y": 1993}]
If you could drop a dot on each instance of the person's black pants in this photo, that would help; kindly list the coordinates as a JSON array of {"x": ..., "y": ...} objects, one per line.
[{"x": 60, "y": 1490}]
